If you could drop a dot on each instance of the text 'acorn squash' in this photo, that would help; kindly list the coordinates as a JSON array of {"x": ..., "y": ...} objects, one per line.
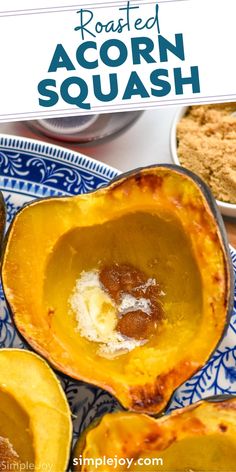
[
  {"x": 201, "y": 437},
  {"x": 35, "y": 424},
  {"x": 128, "y": 287}
]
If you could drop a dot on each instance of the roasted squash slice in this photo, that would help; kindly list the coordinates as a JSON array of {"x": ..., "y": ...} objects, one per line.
[
  {"x": 160, "y": 223},
  {"x": 35, "y": 424},
  {"x": 201, "y": 437}
]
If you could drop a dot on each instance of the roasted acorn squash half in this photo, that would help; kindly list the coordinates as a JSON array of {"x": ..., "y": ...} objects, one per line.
[
  {"x": 154, "y": 241},
  {"x": 35, "y": 424},
  {"x": 201, "y": 437}
]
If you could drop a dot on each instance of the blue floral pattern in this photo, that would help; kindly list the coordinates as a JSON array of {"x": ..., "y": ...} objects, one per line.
[
  {"x": 218, "y": 376},
  {"x": 29, "y": 170},
  {"x": 87, "y": 403},
  {"x": 12, "y": 164},
  {"x": 12, "y": 208}
]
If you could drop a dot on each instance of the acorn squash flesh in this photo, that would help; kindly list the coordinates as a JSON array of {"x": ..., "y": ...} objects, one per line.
[
  {"x": 159, "y": 221},
  {"x": 196, "y": 438},
  {"x": 35, "y": 424}
]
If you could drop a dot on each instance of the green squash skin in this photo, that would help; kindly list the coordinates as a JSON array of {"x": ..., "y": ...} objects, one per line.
[{"x": 2, "y": 222}]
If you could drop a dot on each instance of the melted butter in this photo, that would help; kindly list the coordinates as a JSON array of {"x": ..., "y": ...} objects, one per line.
[{"x": 95, "y": 311}]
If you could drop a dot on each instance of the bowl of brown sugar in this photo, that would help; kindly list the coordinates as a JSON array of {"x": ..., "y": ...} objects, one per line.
[{"x": 203, "y": 139}]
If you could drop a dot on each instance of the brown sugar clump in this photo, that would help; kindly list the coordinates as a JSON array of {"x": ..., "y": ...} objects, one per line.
[
  {"x": 120, "y": 279},
  {"x": 9, "y": 459},
  {"x": 206, "y": 140},
  {"x": 134, "y": 324}
]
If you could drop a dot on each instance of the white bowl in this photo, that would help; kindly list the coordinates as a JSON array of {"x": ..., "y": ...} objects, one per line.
[{"x": 227, "y": 209}]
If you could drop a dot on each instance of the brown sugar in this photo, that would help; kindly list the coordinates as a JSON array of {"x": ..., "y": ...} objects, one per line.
[
  {"x": 206, "y": 140},
  {"x": 120, "y": 279},
  {"x": 9, "y": 459}
]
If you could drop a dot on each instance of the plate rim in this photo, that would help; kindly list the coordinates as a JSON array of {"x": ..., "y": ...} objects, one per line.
[{"x": 35, "y": 145}]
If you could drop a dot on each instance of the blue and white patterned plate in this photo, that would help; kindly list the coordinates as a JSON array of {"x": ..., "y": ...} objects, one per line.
[{"x": 30, "y": 169}]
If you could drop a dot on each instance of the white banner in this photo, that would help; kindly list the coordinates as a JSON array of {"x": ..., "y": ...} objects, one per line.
[{"x": 80, "y": 58}]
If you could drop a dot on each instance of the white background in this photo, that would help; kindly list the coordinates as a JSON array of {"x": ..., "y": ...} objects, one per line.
[
  {"x": 146, "y": 142},
  {"x": 29, "y": 40}
]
